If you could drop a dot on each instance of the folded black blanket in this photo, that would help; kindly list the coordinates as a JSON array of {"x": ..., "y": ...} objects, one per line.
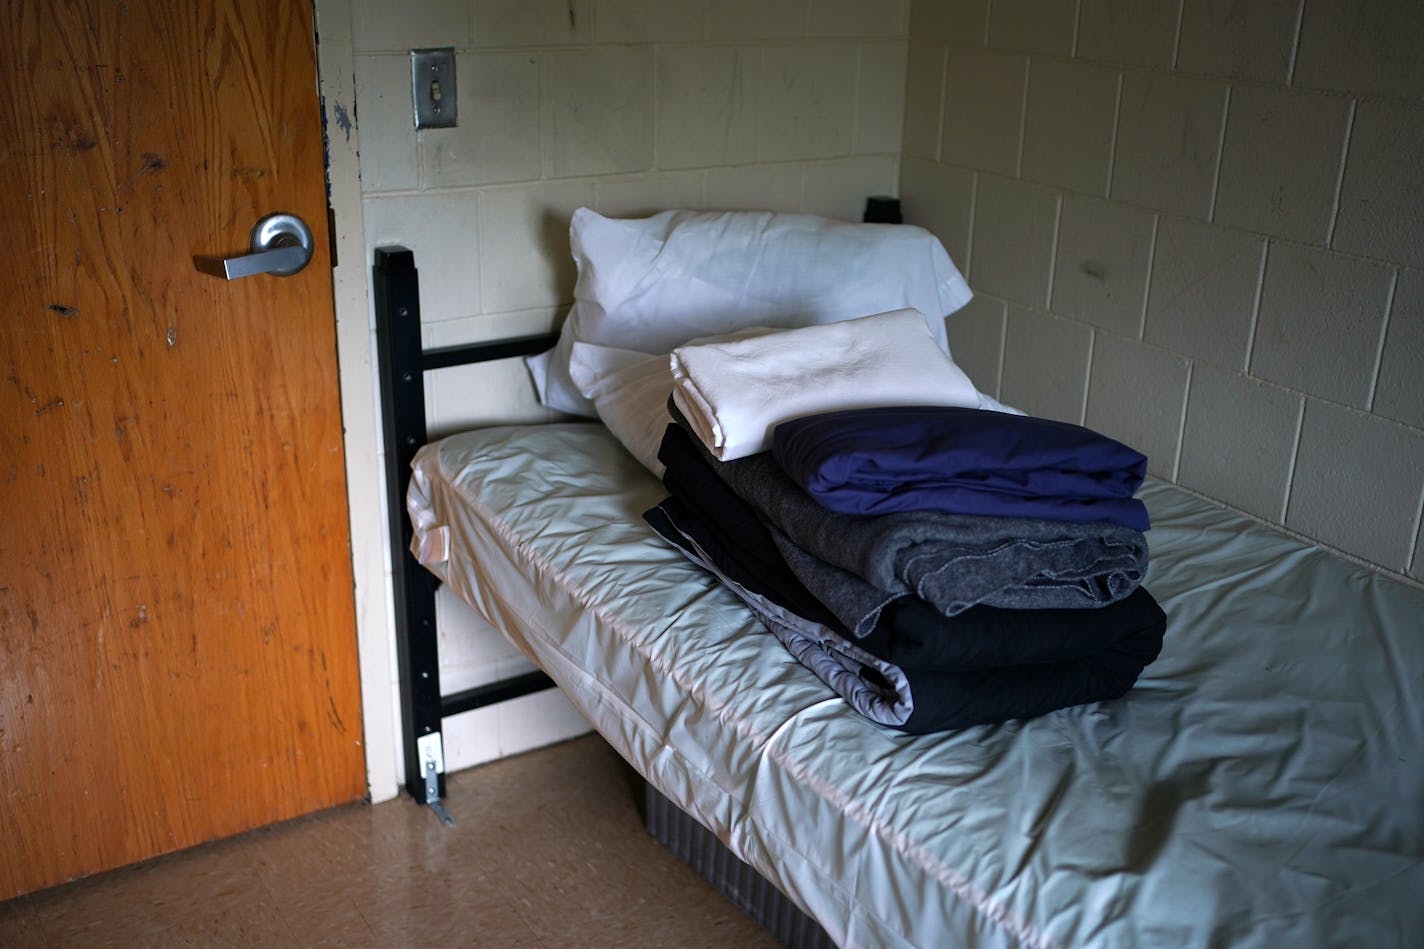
[
  {"x": 950, "y": 561},
  {"x": 962, "y": 461},
  {"x": 919, "y": 671},
  {"x": 735, "y": 526}
]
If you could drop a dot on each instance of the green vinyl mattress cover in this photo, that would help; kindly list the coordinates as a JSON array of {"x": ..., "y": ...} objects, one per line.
[{"x": 1261, "y": 785}]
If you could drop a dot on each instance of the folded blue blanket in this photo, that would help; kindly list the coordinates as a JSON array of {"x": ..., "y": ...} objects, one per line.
[
  {"x": 855, "y": 566},
  {"x": 961, "y": 461}
]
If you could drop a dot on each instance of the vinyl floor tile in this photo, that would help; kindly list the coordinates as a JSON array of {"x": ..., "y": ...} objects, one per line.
[
  {"x": 548, "y": 850},
  {"x": 19, "y": 926}
]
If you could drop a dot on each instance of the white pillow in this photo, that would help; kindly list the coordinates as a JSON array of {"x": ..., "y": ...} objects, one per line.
[
  {"x": 630, "y": 393},
  {"x": 652, "y": 284}
]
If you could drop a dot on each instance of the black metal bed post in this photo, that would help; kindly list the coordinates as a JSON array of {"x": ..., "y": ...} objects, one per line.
[
  {"x": 397, "y": 294},
  {"x": 402, "y": 364}
]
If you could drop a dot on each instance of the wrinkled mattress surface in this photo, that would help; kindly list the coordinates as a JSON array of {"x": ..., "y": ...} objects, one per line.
[{"x": 1262, "y": 785}]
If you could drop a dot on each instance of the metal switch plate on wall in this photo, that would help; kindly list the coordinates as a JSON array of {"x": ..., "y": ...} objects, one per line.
[{"x": 432, "y": 85}]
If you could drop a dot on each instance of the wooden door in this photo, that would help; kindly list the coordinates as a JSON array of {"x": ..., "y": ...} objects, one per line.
[{"x": 177, "y": 635}]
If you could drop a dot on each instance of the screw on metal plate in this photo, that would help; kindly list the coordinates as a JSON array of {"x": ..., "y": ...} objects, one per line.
[{"x": 432, "y": 756}]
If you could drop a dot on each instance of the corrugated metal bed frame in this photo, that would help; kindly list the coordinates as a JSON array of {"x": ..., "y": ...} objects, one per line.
[{"x": 403, "y": 362}]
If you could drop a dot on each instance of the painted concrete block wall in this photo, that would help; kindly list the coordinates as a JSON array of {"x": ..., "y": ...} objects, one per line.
[
  {"x": 1198, "y": 226},
  {"x": 625, "y": 106}
]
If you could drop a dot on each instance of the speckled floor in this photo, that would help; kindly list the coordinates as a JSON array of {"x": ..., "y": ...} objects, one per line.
[{"x": 548, "y": 849}]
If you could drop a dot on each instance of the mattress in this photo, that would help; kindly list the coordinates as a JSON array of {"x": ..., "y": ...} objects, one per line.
[{"x": 1262, "y": 785}]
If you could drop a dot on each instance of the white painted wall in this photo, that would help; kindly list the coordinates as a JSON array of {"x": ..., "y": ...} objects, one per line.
[
  {"x": 1198, "y": 226},
  {"x": 356, "y": 357}
]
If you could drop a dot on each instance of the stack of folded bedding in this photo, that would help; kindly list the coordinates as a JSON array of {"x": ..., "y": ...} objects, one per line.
[{"x": 938, "y": 564}]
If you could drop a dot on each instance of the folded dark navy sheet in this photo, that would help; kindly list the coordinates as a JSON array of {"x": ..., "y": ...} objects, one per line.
[
  {"x": 961, "y": 461},
  {"x": 913, "y": 636},
  {"x": 961, "y": 699}
]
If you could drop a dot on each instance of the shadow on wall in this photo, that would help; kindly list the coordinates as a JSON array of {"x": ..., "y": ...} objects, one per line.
[{"x": 554, "y": 240}]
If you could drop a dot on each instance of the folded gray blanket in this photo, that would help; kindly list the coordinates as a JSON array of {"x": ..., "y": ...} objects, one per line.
[
  {"x": 950, "y": 561},
  {"x": 849, "y": 598}
]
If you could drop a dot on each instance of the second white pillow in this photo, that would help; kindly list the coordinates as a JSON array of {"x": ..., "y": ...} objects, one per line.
[{"x": 629, "y": 391}]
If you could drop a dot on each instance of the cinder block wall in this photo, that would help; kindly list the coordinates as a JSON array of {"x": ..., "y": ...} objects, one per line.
[{"x": 1198, "y": 226}]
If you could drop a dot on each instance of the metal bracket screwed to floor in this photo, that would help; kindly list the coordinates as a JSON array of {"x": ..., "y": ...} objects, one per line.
[{"x": 432, "y": 755}]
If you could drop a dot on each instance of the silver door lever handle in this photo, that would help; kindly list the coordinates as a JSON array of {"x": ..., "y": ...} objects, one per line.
[{"x": 281, "y": 245}]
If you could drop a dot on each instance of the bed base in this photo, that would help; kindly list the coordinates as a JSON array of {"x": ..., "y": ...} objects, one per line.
[{"x": 735, "y": 879}]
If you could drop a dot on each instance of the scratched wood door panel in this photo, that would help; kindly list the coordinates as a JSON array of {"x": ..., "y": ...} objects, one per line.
[{"x": 177, "y": 635}]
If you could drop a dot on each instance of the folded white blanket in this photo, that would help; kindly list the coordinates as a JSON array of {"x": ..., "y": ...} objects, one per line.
[{"x": 734, "y": 393}]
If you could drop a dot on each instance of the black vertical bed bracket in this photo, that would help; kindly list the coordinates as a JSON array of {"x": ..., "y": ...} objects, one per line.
[
  {"x": 397, "y": 295},
  {"x": 403, "y": 363}
]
